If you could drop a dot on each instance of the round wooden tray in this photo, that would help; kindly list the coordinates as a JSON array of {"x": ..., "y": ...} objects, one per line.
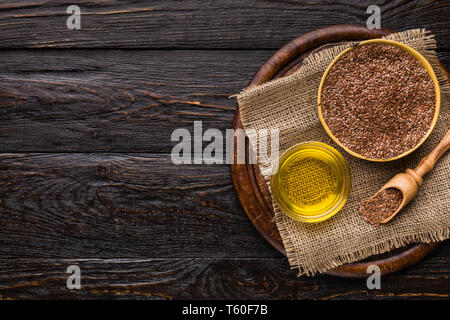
[{"x": 249, "y": 183}]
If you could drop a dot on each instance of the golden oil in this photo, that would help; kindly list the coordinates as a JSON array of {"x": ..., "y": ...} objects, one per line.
[{"x": 312, "y": 182}]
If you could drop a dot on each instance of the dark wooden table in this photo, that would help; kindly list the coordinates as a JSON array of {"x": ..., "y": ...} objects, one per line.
[{"x": 86, "y": 175}]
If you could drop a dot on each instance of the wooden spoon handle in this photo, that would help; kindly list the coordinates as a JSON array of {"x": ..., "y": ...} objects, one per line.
[{"x": 430, "y": 160}]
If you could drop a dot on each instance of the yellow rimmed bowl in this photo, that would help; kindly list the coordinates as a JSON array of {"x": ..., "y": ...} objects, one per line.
[
  {"x": 312, "y": 182},
  {"x": 416, "y": 55}
]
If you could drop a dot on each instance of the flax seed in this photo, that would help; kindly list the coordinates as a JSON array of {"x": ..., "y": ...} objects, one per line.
[
  {"x": 382, "y": 206},
  {"x": 378, "y": 101}
]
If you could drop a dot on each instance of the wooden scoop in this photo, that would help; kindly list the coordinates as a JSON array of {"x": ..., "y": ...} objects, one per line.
[{"x": 408, "y": 183}]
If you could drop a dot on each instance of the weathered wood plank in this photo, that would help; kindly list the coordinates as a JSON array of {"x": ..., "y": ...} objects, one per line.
[
  {"x": 245, "y": 24},
  {"x": 444, "y": 57},
  {"x": 118, "y": 100},
  {"x": 120, "y": 206},
  {"x": 254, "y": 278}
]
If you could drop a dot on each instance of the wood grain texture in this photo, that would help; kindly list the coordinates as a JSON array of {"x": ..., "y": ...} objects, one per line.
[
  {"x": 244, "y": 278},
  {"x": 244, "y": 24},
  {"x": 117, "y": 100},
  {"x": 132, "y": 223},
  {"x": 120, "y": 206}
]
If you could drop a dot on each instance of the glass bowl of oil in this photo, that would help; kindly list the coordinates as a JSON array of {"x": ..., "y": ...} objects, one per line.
[{"x": 312, "y": 182}]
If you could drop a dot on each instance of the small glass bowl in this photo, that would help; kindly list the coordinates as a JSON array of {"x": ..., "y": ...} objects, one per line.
[{"x": 312, "y": 182}]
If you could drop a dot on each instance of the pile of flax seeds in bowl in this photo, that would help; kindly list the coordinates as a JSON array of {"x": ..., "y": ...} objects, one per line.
[{"x": 379, "y": 102}]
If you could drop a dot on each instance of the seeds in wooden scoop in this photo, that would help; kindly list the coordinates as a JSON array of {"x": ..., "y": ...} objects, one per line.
[
  {"x": 382, "y": 206},
  {"x": 378, "y": 101}
]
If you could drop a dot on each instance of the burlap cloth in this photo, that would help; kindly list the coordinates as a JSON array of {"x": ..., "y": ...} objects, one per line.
[{"x": 290, "y": 104}]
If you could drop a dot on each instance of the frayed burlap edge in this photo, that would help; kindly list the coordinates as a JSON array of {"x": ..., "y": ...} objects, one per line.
[{"x": 364, "y": 252}]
